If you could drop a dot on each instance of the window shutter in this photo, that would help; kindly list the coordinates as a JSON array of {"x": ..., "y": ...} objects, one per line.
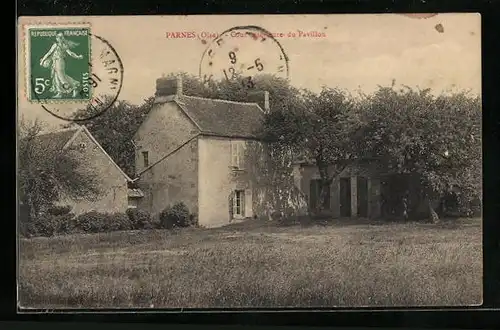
[
  {"x": 234, "y": 155},
  {"x": 232, "y": 205},
  {"x": 241, "y": 155},
  {"x": 248, "y": 203}
]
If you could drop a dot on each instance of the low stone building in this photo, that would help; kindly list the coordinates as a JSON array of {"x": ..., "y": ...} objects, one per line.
[
  {"x": 354, "y": 192},
  {"x": 112, "y": 182}
]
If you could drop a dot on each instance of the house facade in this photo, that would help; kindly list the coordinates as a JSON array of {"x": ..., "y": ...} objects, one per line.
[
  {"x": 365, "y": 190},
  {"x": 354, "y": 192},
  {"x": 201, "y": 152},
  {"x": 93, "y": 160}
]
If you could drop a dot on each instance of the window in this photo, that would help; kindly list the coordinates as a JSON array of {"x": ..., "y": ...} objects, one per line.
[
  {"x": 237, "y": 154},
  {"x": 145, "y": 157},
  {"x": 239, "y": 204}
]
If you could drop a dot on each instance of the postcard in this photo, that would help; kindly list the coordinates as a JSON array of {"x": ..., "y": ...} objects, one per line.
[{"x": 249, "y": 161}]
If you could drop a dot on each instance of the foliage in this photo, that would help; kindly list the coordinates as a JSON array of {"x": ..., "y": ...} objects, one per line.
[
  {"x": 320, "y": 128},
  {"x": 176, "y": 216},
  {"x": 97, "y": 222},
  {"x": 140, "y": 219},
  {"x": 118, "y": 221},
  {"x": 115, "y": 127},
  {"x": 46, "y": 173},
  {"x": 437, "y": 138},
  {"x": 56, "y": 220},
  {"x": 59, "y": 209}
]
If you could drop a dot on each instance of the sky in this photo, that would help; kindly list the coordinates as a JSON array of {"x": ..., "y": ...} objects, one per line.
[{"x": 349, "y": 51}]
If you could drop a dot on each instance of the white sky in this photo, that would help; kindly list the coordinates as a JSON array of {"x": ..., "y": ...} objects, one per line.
[{"x": 359, "y": 51}]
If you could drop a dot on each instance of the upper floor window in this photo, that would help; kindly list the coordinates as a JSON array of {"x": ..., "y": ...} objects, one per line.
[
  {"x": 237, "y": 154},
  {"x": 145, "y": 158}
]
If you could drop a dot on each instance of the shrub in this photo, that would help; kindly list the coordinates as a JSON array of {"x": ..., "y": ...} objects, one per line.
[
  {"x": 140, "y": 219},
  {"x": 193, "y": 220},
  {"x": 59, "y": 210},
  {"x": 119, "y": 221},
  {"x": 24, "y": 221},
  {"x": 49, "y": 225},
  {"x": 91, "y": 222},
  {"x": 175, "y": 216},
  {"x": 97, "y": 222}
]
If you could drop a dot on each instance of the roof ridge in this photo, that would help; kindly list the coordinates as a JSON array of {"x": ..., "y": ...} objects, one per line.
[
  {"x": 62, "y": 130},
  {"x": 221, "y": 100}
]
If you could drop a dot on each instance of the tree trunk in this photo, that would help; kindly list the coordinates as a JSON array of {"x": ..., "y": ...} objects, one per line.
[
  {"x": 31, "y": 207},
  {"x": 434, "y": 217},
  {"x": 325, "y": 183},
  {"x": 322, "y": 196}
]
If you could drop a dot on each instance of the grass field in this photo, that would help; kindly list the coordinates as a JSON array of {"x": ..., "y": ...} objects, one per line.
[{"x": 255, "y": 264}]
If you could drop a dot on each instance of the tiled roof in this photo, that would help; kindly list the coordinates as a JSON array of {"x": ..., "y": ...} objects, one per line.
[
  {"x": 223, "y": 118},
  {"x": 55, "y": 140}
]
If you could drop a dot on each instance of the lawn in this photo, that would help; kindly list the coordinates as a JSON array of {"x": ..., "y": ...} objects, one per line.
[{"x": 255, "y": 264}]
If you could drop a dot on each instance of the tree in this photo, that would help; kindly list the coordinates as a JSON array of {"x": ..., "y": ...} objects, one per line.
[
  {"x": 436, "y": 138},
  {"x": 45, "y": 172},
  {"x": 320, "y": 128},
  {"x": 115, "y": 127}
]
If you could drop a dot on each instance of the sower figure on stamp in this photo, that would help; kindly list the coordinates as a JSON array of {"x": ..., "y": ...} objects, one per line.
[{"x": 55, "y": 59}]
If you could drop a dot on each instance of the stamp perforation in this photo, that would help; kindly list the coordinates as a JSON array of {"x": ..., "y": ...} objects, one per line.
[{"x": 27, "y": 83}]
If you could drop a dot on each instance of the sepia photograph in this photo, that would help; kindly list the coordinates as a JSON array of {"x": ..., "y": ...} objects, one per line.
[{"x": 249, "y": 161}]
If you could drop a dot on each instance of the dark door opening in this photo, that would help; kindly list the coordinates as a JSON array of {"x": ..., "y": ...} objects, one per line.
[
  {"x": 315, "y": 194},
  {"x": 345, "y": 197},
  {"x": 362, "y": 197},
  {"x": 393, "y": 191}
]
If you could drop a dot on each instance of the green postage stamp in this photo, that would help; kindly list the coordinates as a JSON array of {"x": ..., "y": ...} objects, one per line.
[{"x": 58, "y": 63}]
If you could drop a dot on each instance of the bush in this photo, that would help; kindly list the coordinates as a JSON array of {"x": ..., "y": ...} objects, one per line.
[
  {"x": 24, "y": 221},
  {"x": 97, "y": 222},
  {"x": 55, "y": 220},
  {"x": 119, "y": 221},
  {"x": 59, "y": 210},
  {"x": 176, "y": 216},
  {"x": 49, "y": 225},
  {"x": 140, "y": 219}
]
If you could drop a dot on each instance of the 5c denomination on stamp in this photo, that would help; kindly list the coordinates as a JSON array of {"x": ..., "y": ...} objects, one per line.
[{"x": 58, "y": 63}]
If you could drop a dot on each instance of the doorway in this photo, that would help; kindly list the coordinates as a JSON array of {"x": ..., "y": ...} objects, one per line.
[
  {"x": 345, "y": 197},
  {"x": 239, "y": 204}
]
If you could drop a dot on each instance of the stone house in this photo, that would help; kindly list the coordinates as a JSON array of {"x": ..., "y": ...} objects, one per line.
[
  {"x": 202, "y": 152},
  {"x": 93, "y": 159},
  {"x": 354, "y": 192}
]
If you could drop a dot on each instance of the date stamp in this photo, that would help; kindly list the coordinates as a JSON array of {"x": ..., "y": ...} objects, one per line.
[
  {"x": 59, "y": 58},
  {"x": 241, "y": 53}
]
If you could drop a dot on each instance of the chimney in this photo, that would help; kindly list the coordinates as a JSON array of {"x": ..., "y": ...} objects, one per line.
[
  {"x": 168, "y": 87},
  {"x": 261, "y": 98}
]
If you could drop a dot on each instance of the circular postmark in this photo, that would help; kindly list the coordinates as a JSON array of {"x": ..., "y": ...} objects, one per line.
[
  {"x": 243, "y": 51},
  {"x": 97, "y": 91}
]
